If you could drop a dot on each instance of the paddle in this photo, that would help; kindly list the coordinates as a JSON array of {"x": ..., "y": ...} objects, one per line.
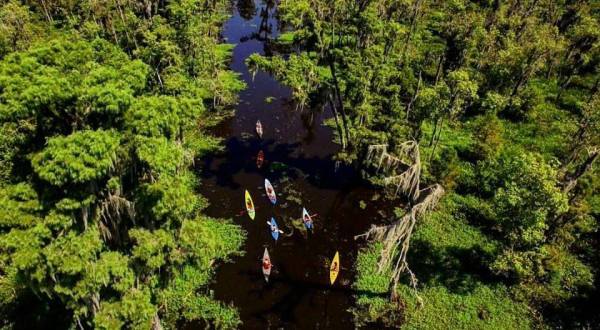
[
  {"x": 280, "y": 231},
  {"x": 246, "y": 211},
  {"x": 312, "y": 216}
]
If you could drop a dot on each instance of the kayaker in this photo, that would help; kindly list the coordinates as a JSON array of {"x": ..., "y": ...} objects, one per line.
[
  {"x": 307, "y": 219},
  {"x": 266, "y": 264}
]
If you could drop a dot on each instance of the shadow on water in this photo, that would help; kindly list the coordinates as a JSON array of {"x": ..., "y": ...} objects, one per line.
[
  {"x": 298, "y": 152},
  {"x": 281, "y": 162}
]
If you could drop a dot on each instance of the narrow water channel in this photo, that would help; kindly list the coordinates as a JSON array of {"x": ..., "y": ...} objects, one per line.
[{"x": 298, "y": 152}]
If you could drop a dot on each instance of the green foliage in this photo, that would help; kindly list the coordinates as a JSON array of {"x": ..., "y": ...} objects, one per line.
[
  {"x": 134, "y": 311},
  {"x": 20, "y": 206},
  {"x": 300, "y": 72},
  {"x": 526, "y": 197},
  {"x": 101, "y": 117},
  {"x": 482, "y": 308},
  {"x": 151, "y": 248},
  {"x": 171, "y": 198},
  {"x": 156, "y": 116},
  {"x": 66, "y": 80},
  {"x": 180, "y": 301},
  {"x": 161, "y": 156},
  {"x": 502, "y": 98},
  {"x": 286, "y": 38},
  {"x": 207, "y": 239},
  {"x": 17, "y": 27},
  {"x": 77, "y": 158},
  {"x": 453, "y": 217},
  {"x": 372, "y": 287}
]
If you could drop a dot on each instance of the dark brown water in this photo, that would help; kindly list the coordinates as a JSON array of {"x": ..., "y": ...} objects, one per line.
[{"x": 298, "y": 161}]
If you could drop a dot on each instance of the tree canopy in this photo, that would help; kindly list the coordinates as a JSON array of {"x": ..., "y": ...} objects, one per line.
[
  {"x": 500, "y": 97},
  {"x": 103, "y": 109}
]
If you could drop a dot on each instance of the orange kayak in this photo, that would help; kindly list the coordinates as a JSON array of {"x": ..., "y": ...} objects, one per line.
[{"x": 260, "y": 158}]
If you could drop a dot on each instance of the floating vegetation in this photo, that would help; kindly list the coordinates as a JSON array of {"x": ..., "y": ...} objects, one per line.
[
  {"x": 295, "y": 199},
  {"x": 245, "y": 136},
  {"x": 293, "y": 195},
  {"x": 297, "y": 224},
  {"x": 278, "y": 166},
  {"x": 362, "y": 204}
]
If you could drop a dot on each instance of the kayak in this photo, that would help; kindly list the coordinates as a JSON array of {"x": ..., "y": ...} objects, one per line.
[
  {"x": 249, "y": 205},
  {"x": 274, "y": 228},
  {"x": 266, "y": 265},
  {"x": 306, "y": 219},
  {"x": 259, "y": 129},
  {"x": 270, "y": 191},
  {"x": 334, "y": 269},
  {"x": 260, "y": 158}
]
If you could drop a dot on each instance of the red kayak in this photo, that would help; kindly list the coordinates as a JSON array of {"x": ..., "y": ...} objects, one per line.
[
  {"x": 266, "y": 265},
  {"x": 260, "y": 158}
]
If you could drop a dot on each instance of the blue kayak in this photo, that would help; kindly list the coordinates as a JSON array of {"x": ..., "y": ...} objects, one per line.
[{"x": 274, "y": 228}]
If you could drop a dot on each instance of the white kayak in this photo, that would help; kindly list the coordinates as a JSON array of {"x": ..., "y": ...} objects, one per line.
[{"x": 270, "y": 191}]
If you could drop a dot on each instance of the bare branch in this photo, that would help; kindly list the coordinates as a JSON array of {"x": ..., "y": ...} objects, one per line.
[{"x": 396, "y": 236}]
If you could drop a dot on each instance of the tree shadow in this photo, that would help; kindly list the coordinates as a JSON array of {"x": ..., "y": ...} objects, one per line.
[
  {"x": 246, "y": 9},
  {"x": 282, "y": 160},
  {"x": 458, "y": 269}
]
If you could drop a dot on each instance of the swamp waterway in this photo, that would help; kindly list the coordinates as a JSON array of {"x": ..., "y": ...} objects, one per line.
[{"x": 298, "y": 150}]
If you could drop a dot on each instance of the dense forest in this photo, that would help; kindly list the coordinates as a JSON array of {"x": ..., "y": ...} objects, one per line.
[
  {"x": 482, "y": 118},
  {"x": 479, "y": 121},
  {"x": 104, "y": 107}
]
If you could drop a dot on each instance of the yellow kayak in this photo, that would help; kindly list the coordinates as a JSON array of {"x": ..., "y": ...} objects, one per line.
[
  {"x": 334, "y": 269},
  {"x": 250, "y": 206}
]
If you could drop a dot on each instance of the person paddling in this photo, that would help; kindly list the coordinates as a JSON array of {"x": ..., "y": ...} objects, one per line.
[
  {"x": 266, "y": 264},
  {"x": 307, "y": 219},
  {"x": 275, "y": 231}
]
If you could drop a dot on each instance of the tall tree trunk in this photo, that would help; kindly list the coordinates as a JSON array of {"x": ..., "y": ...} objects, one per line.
[
  {"x": 524, "y": 76},
  {"x": 594, "y": 90},
  {"x": 337, "y": 121},
  {"x": 436, "y": 140},
  {"x": 339, "y": 98},
  {"x": 435, "y": 128},
  {"x": 46, "y": 11},
  {"x": 413, "y": 23},
  {"x": 438, "y": 71},
  {"x": 413, "y": 98},
  {"x": 156, "y": 324},
  {"x": 526, "y": 14},
  {"x": 564, "y": 85},
  {"x": 583, "y": 168},
  {"x": 125, "y": 25}
]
